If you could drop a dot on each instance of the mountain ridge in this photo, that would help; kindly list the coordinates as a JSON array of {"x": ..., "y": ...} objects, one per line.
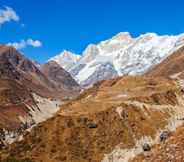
[
  {"x": 29, "y": 94},
  {"x": 66, "y": 59},
  {"x": 16, "y": 66},
  {"x": 121, "y": 55}
]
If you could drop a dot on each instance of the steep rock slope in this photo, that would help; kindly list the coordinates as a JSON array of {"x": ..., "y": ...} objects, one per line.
[
  {"x": 13, "y": 100},
  {"x": 109, "y": 122},
  {"x": 20, "y": 109},
  {"x": 15, "y": 66},
  {"x": 60, "y": 78},
  {"x": 172, "y": 66},
  {"x": 123, "y": 55},
  {"x": 27, "y": 95}
]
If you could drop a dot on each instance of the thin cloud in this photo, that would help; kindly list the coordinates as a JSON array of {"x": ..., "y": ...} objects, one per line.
[
  {"x": 8, "y": 14},
  {"x": 25, "y": 43},
  {"x": 22, "y": 25}
]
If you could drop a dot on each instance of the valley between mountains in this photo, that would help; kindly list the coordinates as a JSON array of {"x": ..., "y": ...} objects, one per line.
[{"x": 122, "y": 100}]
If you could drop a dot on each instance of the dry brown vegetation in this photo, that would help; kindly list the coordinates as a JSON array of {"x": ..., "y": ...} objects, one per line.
[
  {"x": 90, "y": 126},
  {"x": 116, "y": 112},
  {"x": 171, "y": 65},
  {"x": 170, "y": 150}
]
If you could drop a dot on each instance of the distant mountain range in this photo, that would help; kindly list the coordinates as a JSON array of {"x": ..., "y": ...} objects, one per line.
[{"x": 120, "y": 55}]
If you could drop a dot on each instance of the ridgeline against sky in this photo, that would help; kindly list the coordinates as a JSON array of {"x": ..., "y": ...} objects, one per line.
[{"x": 42, "y": 29}]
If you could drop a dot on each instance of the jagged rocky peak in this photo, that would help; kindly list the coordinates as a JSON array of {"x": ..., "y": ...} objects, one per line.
[
  {"x": 13, "y": 63},
  {"x": 9, "y": 54}
]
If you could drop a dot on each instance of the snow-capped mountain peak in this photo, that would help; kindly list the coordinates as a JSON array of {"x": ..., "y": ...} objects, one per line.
[
  {"x": 66, "y": 59},
  {"x": 148, "y": 35},
  {"x": 69, "y": 55},
  {"x": 89, "y": 53},
  {"x": 123, "y": 54},
  {"x": 122, "y": 36}
]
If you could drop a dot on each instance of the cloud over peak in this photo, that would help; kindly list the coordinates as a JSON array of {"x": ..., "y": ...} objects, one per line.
[
  {"x": 8, "y": 14},
  {"x": 24, "y": 43}
]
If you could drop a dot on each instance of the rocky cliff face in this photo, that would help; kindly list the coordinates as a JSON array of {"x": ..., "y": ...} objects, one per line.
[
  {"x": 16, "y": 67},
  {"x": 109, "y": 122},
  {"x": 29, "y": 96},
  {"x": 60, "y": 78},
  {"x": 20, "y": 109}
]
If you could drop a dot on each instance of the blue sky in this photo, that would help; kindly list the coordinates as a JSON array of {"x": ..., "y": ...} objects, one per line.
[{"x": 73, "y": 24}]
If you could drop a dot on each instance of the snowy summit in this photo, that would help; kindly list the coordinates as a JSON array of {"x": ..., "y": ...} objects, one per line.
[{"x": 120, "y": 55}]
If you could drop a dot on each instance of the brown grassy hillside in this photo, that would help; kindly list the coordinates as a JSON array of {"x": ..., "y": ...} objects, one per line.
[
  {"x": 171, "y": 65},
  {"x": 113, "y": 114},
  {"x": 170, "y": 150}
]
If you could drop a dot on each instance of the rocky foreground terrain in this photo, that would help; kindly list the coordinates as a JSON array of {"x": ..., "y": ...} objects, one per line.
[
  {"x": 113, "y": 121},
  {"x": 169, "y": 150}
]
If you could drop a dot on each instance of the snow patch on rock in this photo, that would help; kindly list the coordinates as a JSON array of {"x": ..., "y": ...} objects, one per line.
[{"x": 45, "y": 108}]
